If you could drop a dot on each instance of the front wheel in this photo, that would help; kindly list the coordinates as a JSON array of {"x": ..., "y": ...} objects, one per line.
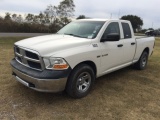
[
  {"x": 80, "y": 81},
  {"x": 142, "y": 63}
]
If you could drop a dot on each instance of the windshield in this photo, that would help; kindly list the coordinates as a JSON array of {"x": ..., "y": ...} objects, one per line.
[{"x": 83, "y": 29}]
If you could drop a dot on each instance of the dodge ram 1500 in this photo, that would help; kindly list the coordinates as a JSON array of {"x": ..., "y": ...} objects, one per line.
[{"x": 76, "y": 55}]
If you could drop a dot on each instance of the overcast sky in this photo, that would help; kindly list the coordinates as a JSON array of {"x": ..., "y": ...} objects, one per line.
[{"x": 148, "y": 10}]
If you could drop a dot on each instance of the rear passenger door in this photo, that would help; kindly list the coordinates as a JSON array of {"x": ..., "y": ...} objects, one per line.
[{"x": 129, "y": 43}]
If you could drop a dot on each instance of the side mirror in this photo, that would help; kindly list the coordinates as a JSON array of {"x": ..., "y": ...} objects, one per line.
[{"x": 111, "y": 37}]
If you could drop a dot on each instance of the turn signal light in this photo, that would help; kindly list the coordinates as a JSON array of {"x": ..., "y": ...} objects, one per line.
[{"x": 60, "y": 66}]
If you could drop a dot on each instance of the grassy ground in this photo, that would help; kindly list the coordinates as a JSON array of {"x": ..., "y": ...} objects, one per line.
[{"x": 127, "y": 94}]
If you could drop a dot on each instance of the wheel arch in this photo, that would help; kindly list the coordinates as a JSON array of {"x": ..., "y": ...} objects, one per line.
[
  {"x": 138, "y": 65},
  {"x": 91, "y": 64},
  {"x": 147, "y": 50}
]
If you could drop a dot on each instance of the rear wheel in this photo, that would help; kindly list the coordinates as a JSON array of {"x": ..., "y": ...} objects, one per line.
[
  {"x": 80, "y": 81},
  {"x": 142, "y": 63}
]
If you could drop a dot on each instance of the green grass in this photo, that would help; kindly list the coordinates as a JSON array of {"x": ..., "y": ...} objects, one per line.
[{"x": 126, "y": 94}]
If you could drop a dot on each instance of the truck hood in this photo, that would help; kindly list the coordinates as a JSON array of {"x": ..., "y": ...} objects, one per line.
[{"x": 49, "y": 44}]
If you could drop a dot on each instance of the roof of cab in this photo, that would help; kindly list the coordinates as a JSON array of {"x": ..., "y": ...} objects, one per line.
[{"x": 95, "y": 19}]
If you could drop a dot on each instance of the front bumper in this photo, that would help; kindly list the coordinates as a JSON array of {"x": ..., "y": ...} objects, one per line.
[{"x": 43, "y": 81}]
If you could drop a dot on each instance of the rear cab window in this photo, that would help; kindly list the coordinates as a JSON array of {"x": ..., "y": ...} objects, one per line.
[{"x": 126, "y": 30}]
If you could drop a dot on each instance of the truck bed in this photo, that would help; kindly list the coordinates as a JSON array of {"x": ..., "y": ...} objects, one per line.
[
  {"x": 139, "y": 37},
  {"x": 142, "y": 43}
]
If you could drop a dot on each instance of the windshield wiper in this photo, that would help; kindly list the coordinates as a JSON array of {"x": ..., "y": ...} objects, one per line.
[{"x": 74, "y": 35}]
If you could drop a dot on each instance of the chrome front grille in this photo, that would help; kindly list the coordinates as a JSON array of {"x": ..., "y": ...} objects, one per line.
[{"x": 28, "y": 58}]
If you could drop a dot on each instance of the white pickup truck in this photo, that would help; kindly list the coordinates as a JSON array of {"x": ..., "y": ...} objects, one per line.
[{"x": 80, "y": 52}]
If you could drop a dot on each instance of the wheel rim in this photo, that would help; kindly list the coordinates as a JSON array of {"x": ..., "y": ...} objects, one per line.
[
  {"x": 144, "y": 61},
  {"x": 83, "y": 82}
]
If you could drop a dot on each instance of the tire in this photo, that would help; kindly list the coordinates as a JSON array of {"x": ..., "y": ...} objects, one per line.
[
  {"x": 80, "y": 81},
  {"x": 142, "y": 62}
]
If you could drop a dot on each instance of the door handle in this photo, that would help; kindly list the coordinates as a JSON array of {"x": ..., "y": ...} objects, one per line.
[
  {"x": 120, "y": 45},
  {"x": 133, "y": 43}
]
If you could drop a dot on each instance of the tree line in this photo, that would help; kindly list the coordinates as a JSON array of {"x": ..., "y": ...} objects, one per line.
[
  {"x": 52, "y": 19},
  {"x": 48, "y": 21}
]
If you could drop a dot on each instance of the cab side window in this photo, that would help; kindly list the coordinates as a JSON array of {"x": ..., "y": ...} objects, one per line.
[
  {"x": 112, "y": 28},
  {"x": 126, "y": 30}
]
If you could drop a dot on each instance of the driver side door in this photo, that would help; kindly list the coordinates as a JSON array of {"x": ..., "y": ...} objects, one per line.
[{"x": 111, "y": 51}]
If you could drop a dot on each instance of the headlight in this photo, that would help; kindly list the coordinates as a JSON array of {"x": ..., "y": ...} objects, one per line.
[{"x": 56, "y": 63}]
